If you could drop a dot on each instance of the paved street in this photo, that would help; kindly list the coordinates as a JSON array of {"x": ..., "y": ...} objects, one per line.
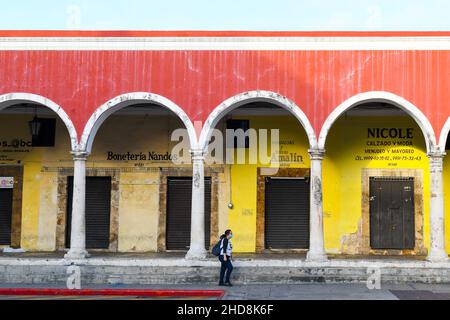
[
  {"x": 287, "y": 292},
  {"x": 43, "y": 298}
]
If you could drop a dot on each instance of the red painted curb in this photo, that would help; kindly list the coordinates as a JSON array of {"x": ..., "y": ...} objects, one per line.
[{"x": 112, "y": 292}]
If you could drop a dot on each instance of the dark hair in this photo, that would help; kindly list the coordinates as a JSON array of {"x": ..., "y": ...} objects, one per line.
[{"x": 227, "y": 232}]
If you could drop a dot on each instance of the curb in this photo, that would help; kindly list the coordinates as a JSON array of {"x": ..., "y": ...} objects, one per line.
[{"x": 111, "y": 292}]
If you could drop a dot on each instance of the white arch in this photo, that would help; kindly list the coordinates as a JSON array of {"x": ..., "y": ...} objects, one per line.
[
  {"x": 10, "y": 99},
  {"x": 254, "y": 96},
  {"x": 381, "y": 96},
  {"x": 127, "y": 99},
  {"x": 444, "y": 134}
]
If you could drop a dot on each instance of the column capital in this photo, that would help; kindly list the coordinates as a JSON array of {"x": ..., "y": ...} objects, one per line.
[
  {"x": 79, "y": 155},
  {"x": 197, "y": 154},
  {"x": 436, "y": 154},
  {"x": 316, "y": 154}
]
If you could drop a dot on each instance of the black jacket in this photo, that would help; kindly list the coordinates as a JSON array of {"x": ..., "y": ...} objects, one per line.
[{"x": 224, "y": 246}]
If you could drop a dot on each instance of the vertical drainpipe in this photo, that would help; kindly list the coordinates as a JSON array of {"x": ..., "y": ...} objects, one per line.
[
  {"x": 197, "y": 248},
  {"x": 316, "y": 252},
  {"x": 437, "y": 251},
  {"x": 78, "y": 232}
]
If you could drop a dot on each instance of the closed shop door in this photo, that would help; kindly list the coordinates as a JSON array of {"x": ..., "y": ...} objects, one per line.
[
  {"x": 178, "y": 220},
  {"x": 286, "y": 213},
  {"x": 392, "y": 213},
  {"x": 6, "y": 202},
  {"x": 98, "y": 209}
]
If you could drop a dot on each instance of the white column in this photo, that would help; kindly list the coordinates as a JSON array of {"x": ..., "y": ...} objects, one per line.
[
  {"x": 437, "y": 238},
  {"x": 197, "y": 248},
  {"x": 78, "y": 231},
  {"x": 316, "y": 250}
]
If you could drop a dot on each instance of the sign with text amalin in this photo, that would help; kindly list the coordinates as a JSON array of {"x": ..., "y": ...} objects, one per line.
[
  {"x": 390, "y": 144},
  {"x": 6, "y": 182},
  {"x": 287, "y": 153}
]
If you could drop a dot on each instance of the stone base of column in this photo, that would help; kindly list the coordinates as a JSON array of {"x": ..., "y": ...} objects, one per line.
[
  {"x": 75, "y": 254},
  {"x": 316, "y": 256},
  {"x": 437, "y": 255},
  {"x": 196, "y": 254}
]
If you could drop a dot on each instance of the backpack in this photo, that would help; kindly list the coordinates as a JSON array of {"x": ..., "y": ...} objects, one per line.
[{"x": 216, "y": 249}]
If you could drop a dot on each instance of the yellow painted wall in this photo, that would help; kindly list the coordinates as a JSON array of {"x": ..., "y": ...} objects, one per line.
[
  {"x": 138, "y": 191},
  {"x": 139, "y": 196},
  {"x": 242, "y": 218},
  {"x": 138, "y": 211},
  {"x": 447, "y": 201},
  {"x": 39, "y": 206},
  {"x": 348, "y": 139}
]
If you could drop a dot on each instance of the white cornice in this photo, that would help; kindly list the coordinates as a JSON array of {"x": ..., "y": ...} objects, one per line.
[{"x": 226, "y": 43}]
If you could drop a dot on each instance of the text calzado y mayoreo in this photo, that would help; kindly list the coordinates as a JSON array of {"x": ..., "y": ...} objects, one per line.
[{"x": 150, "y": 156}]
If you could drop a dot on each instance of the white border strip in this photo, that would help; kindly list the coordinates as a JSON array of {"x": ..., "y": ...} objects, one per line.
[
  {"x": 143, "y": 261},
  {"x": 226, "y": 43}
]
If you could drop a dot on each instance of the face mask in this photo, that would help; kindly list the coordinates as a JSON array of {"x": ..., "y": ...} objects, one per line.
[{"x": 231, "y": 236}]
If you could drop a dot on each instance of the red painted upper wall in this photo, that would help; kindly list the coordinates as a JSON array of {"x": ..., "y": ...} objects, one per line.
[{"x": 198, "y": 81}]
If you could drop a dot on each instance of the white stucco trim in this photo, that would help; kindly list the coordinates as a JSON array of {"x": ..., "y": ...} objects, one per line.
[
  {"x": 10, "y": 99},
  {"x": 254, "y": 96},
  {"x": 444, "y": 134},
  {"x": 331, "y": 43},
  {"x": 127, "y": 99},
  {"x": 380, "y": 96},
  {"x": 162, "y": 261}
]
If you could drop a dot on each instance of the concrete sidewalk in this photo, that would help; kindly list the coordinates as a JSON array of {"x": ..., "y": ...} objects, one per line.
[
  {"x": 410, "y": 291},
  {"x": 173, "y": 268}
]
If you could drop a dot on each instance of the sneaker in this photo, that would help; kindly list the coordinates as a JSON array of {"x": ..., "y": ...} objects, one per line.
[
  {"x": 221, "y": 284},
  {"x": 228, "y": 284}
]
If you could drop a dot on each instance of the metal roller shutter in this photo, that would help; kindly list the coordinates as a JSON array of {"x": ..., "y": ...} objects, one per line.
[
  {"x": 98, "y": 208},
  {"x": 178, "y": 220},
  {"x": 6, "y": 200},
  {"x": 286, "y": 213}
]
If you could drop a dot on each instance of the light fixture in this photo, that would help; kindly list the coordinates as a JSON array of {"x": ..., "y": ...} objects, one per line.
[{"x": 35, "y": 124}]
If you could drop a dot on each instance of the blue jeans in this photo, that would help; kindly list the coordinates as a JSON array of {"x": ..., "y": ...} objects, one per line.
[{"x": 225, "y": 266}]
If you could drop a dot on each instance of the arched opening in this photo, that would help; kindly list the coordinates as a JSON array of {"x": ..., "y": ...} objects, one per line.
[
  {"x": 376, "y": 177},
  {"x": 444, "y": 145},
  {"x": 144, "y": 176},
  {"x": 36, "y": 137},
  {"x": 260, "y": 141}
]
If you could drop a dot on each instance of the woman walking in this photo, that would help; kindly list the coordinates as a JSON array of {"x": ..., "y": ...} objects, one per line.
[{"x": 225, "y": 258}]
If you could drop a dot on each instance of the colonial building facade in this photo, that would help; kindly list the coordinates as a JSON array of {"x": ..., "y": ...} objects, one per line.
[{"x": 90, "y": 128}]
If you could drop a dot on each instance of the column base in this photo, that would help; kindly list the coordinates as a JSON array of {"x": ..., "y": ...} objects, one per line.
[
  {"x": 437, "y": 255},
  {"x": 315, "y": 256},
  {"x": 76, "y": 254},
  {"x": 196, "y": 254}
]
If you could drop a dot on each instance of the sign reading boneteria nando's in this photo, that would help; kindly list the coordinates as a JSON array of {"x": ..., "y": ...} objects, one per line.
[{"x": 141, "y": 156}]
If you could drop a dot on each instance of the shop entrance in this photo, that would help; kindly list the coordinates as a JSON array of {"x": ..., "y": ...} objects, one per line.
[
  {"x": 11, "y": 179},
  {"x": 392, "y": 213},
  {"x": 178, "y": 220},
  {"x": 98, "y": 211},
  {"x": 286, "y": 213},
  {"x": 6, "y": 202}
]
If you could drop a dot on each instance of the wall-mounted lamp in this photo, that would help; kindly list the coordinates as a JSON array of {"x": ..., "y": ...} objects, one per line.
[{"x": 35, "y": 124}]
